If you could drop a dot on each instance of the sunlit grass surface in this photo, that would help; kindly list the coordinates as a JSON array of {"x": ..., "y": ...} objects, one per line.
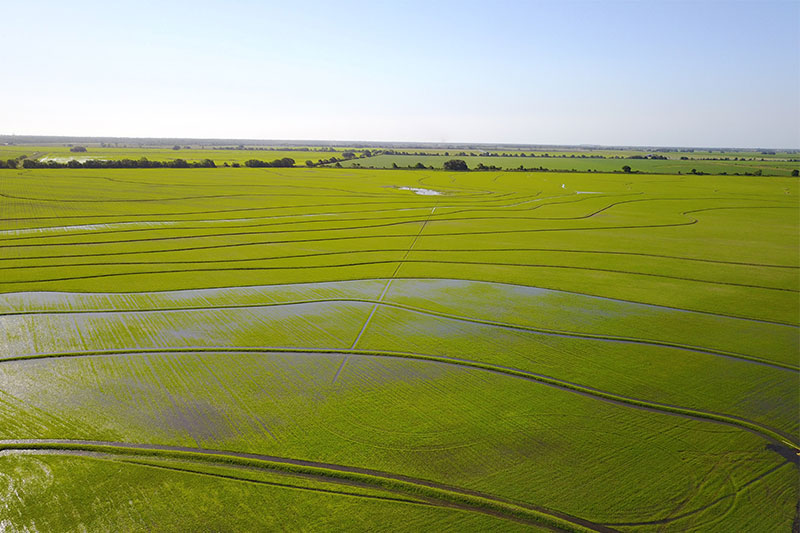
[
  {"x": 585, "y": 351},
  {"x": 706, "y": 163}
]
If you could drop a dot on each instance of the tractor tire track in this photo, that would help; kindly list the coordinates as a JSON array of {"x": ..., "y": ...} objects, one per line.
[
  {"x": 382, "y": 295},
  {"x": 702, "y": 508}
]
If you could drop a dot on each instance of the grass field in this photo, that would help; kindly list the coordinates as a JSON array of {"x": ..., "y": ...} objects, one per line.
[
  {"x": 768, "y": 167},
  {"x": 325, "y": 349},
  {"x": 600, "y": 160},
  {"x": 219, "y": 156}
]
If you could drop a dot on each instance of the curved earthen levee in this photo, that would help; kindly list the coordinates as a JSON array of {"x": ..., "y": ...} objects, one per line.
[
  {"x": 448, "y": 495},
  {"x": 429, "y": 312},
  {"x": 772, "y": 435}
]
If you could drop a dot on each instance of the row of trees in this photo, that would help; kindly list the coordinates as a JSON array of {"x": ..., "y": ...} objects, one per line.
[
  {"x": 274, "y": 148},
  {"x": 451, "y": 165},
  {"x": 650, "y": 156},
  {"x": 121, "y": 163},
  {"x": 278, "y": 163},
  {"x": 520, "y": 154},
  {"x": 23, "y": 162},
  {"x": 461, "y": 165}
]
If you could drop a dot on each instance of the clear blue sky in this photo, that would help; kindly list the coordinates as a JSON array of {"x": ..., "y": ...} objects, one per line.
[{"x": 561, "y": 72}]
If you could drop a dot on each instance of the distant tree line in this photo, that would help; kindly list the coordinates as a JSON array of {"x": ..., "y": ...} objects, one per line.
[
  {"x": 101, "y": 163},
  {"x": 518, "y": 154},
  {"x": 451, "y": 165},
  {"x": 278, "y": 163},
  {"x": 649, "y": 156},
  {"x": 276, "y": 148},
  {"x": 24, "y": 162}
]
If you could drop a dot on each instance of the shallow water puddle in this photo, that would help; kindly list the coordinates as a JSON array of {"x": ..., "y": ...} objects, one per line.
[{"x": 423, "y": 192}]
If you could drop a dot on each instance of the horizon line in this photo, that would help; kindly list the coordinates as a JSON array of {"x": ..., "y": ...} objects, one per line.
[{"x": 409, "y": 144}]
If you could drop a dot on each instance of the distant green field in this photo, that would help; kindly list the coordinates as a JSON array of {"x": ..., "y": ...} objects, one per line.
[
  {"x": 63, "y": 154},
  {"x": 346, "y": 349},
  {"x": 600, "y": 160},
  {"x": 13, "y": 152},
  {"x": 768, "y": 167}
]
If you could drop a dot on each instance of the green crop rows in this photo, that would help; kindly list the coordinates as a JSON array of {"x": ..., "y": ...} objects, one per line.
[
  {"x": 324, "y": 349},
  {"x": 220, "y": 156},
  {"x": 708, "y": 164},
  {"x": 599, "y": 160}
]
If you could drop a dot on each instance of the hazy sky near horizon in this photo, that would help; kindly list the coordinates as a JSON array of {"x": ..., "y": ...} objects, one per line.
[{"x": 719, "y": 73}]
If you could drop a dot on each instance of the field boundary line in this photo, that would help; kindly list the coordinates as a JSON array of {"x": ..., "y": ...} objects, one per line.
[
  {"x": 167, "y": 466},
  {"x": 390, "y": 261},
  {"x": 472, "y": 500},
  {"x": 400, "y": 201},
  {"x": 458, "y": 210},
  {"x": 421, "y": 310},
  {"x": 273, "y": 232},
  {"x": 436, "y": 278},
  {"x": 771, "y": 434},
  {"x": 381, "y": 250},
  {"x": 369, "y": 226}
]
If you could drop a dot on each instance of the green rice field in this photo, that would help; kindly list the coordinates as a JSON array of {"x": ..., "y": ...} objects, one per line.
[
  {"x": 345, "y": 349},
  {"x": 220, "y": 156},
  {"x": 728, "y": 163}
]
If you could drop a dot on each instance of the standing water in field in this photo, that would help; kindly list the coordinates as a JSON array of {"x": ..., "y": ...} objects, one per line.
[{"x": 423, "y": 192}]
